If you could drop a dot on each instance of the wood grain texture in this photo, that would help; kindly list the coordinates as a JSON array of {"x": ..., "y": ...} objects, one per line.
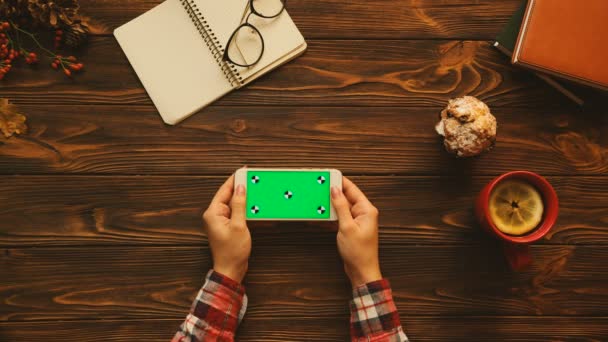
[
  {"x": 508, "y": 329},
  {"x": 387, "y": 140},
  {"x": 81, "y": 210},
  {"x": 100, "y": 204},
  {"x": 400, "y": 19},
  {"x": 299, "y": 281},
  {"x": 331, "y": 72}
]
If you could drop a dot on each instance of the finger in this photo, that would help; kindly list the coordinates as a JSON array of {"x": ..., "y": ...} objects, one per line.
[
  {"x": 366, "y": 217},
  {"x": 217, "y": 210},
  {"x": 237, "y": 206},
  {"x": 359, "y": 209},
  {"x": 215, "y": 213},
  {"x": 224, "y": 194},
  {"x": 223, "y": 210},
  {"x": 354, "y": 194},
  {"x": 342, "y": 206}
]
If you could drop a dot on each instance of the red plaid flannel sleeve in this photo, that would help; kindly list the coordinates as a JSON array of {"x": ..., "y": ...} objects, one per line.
[
  {"x": 373, "y": 314},
  {"x": 216, "y": 312}
]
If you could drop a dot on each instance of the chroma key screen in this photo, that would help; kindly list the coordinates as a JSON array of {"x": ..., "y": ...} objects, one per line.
[{"x": 288, "y": 195}]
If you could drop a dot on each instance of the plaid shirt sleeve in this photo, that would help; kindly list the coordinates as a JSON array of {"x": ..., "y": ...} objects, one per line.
[
  {"x": 216, "y": 312},
  {"x": 373, "y": 314}
]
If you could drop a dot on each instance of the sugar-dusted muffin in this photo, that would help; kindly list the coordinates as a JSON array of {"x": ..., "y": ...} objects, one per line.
[{"x": 467, "y": 126}]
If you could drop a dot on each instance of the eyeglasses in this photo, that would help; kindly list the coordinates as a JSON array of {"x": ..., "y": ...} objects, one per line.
[{"x": 248, "y": 36}]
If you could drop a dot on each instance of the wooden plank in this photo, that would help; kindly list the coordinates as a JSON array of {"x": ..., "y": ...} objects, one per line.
[
  {"x": 82, "y": 210},
  {"x": 331, "y": 72},
  {"x": 528, "y": 329},
  {"x": 133, "y": 140},
  {"x": 298, "y": 281},
  {"x": 402, "y": 19}
]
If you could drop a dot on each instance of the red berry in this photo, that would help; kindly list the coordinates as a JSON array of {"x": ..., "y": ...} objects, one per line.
[
  {"x": 67, "y": 72},
  {"x": 71, "y": 59},
  {"x": 6, "y": 25},
  {"x": 54, "y": 65},
  {"x": 59, "y": 32}
]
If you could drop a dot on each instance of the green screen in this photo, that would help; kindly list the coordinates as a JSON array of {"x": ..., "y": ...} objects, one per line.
[{"x": 288, "y": 195}]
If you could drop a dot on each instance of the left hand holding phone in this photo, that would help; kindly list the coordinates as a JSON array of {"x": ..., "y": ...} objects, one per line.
[{"x": 226, "y": 228}]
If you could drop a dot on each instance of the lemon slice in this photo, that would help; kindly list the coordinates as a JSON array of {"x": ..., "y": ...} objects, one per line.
[{"x": 516, "y": 207}]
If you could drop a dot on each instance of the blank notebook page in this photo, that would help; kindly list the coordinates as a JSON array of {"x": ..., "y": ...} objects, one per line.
[{"x": 172, "y": 60}]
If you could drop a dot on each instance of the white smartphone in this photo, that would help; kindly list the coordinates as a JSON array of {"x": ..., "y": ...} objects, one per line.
[{"x": 289, "y": 194}]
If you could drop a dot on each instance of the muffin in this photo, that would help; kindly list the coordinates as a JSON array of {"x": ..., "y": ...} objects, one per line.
[{"x": 467, "y": 126}]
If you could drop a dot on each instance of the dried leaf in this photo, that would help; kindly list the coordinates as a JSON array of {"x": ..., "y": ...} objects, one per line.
[{"x": 11, "y": 122}]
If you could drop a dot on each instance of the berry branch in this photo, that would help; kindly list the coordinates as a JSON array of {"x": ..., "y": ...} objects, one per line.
[{"x": 10, "y": 51}]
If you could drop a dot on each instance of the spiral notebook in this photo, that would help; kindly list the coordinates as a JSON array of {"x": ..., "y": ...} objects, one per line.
[{"x": 176, "y": 50}]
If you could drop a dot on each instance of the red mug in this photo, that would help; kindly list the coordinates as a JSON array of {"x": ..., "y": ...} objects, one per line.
[{"x": 516, "y": 248}]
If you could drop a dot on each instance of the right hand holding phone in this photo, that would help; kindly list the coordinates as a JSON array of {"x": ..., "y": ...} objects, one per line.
[{"x": 357, "y": 234}]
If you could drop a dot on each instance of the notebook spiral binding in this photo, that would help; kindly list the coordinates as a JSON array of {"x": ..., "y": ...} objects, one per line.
[{"x": 230, "y": 71}]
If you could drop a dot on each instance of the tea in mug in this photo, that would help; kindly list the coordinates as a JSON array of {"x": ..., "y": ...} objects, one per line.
[{"x": 516, "y": 207}]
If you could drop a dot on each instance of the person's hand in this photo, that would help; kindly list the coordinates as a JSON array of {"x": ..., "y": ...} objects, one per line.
[
  {"x": 357, "y": 233},
  {"x": 226, "y": 229}
]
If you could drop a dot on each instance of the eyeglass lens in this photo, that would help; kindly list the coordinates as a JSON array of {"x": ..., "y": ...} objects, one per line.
[
  {"x": 246, "y": 45},
  {"x": 267, "y": 8}
]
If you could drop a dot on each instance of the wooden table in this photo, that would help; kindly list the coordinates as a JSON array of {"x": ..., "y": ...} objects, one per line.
[{"x": 100, "y": 203}]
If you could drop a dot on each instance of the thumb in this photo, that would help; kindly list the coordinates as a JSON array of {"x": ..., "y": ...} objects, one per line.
[
  {"x": 342, "y": 206},
  {"x": 237, "y": 206}
]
